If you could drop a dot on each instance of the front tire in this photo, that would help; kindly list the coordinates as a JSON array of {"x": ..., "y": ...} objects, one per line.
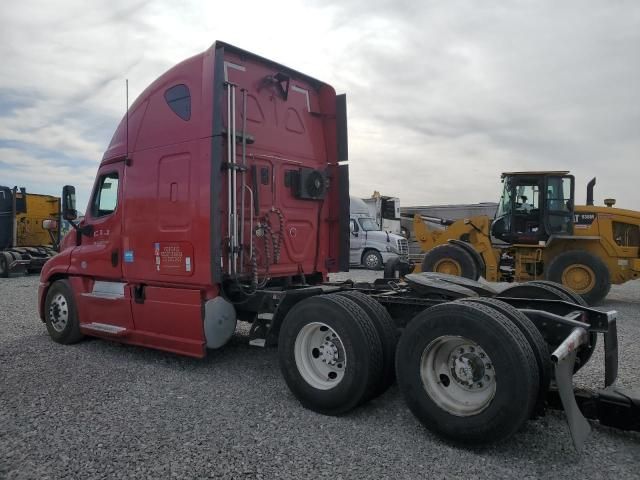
[
  {"x": 372, "y": 260},
  {"x": 583, "y": 272},
  {"x": 61, "y": 314},
  {"x": 450, "y": 259}
]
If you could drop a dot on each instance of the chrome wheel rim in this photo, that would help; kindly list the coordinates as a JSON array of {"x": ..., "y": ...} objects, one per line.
[
  {"x": 59, "y": 312},
  {"x": 458, "y": 375},
  {"x": 371, "y": 260},
  {"x": 320, "y": 356}
]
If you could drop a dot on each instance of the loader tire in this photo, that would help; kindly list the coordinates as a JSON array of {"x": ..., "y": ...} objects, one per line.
[
  {"x": 536, "y": 341},
  {"x": 387, "y": 332},
  {"x": 545, "y": 291},
  {"x": 450, "y": 259},
  {"x": 330, "y": 354},
  {"x": 467, "y": 372},
  {"x": 583, "y": 272},
  {"x": 61, "y": 314}
]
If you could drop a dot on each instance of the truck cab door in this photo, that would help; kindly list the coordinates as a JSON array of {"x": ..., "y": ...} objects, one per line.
[
  {"x": 103, "y": 297},
  {"x": 519, "y": 218},
  {"x": 559, "y": 205},
  {"x": 356, "y": 242}
]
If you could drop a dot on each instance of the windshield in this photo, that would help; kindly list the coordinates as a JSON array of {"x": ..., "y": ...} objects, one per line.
[
  {"x": 505, "y": 201},
  {"x": 368, "y": 224}
]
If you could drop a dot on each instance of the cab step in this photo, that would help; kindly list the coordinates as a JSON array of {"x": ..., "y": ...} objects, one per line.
[{"x": 104, "y": 329}]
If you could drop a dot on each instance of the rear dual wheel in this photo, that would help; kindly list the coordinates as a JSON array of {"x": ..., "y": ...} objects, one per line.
[
  {"x": 331, "y": 353},
  {"x": 467, "y": 372},
  {"x": 538, "y": 345},
  {"x": 546, "y": 290},
  {"x": 387, "y": 333}
]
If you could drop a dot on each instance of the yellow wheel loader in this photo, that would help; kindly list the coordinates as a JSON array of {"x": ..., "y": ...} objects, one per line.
[
  {"x": 29, "y": 230},
  {"x": 538, "y": 233}
]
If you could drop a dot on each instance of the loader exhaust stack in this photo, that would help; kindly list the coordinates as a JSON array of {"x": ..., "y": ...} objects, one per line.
[{"x": 590, "y": 186}]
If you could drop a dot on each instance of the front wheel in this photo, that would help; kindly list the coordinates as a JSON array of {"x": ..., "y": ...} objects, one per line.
[
  {"x": 372, "y": 260},
  {"x": 61, "y": 314},
  {"x": 450, "y": 259}
]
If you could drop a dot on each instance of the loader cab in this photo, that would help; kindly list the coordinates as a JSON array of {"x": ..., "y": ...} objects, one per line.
[{"x": 534, "y": 206}]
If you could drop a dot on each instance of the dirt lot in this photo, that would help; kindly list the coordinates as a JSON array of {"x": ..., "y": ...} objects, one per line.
[{"x": 103, "y": 410}]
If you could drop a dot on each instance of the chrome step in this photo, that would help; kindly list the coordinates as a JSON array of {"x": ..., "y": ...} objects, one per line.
[
  {"x": 103, "y": 328},
  {"x": 103, "y": 295}
]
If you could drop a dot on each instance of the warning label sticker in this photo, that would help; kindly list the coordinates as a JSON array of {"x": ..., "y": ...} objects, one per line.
[{"x": 173, "y": 258}]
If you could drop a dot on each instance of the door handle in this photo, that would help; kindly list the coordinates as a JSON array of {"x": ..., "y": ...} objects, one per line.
[{"x": 114, "y": 257}]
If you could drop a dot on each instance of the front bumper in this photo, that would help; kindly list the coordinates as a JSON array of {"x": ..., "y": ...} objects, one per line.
[{"x": 386, "y": 256}]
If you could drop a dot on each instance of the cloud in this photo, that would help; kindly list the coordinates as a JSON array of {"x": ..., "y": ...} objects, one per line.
[
  {"x": 453, "y": 93},
  {"x": 442, "y": 96}
]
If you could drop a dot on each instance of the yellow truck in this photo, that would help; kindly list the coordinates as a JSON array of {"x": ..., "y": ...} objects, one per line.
[
  {"x": 29, "y": 230},
  {"x": 538, "y": 233}
]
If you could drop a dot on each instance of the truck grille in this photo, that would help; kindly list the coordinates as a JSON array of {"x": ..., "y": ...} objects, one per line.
[{"x": 403, "y": 247}]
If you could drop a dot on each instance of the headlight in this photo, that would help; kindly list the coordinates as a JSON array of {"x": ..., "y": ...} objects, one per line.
[{"x": 389, "y": 249}]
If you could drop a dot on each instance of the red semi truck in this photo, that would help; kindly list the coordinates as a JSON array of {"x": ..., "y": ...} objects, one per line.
[{"x": 224, "y": 195}]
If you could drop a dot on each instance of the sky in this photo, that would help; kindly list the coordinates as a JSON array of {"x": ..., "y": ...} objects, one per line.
[{"x": 442, "y": 95}]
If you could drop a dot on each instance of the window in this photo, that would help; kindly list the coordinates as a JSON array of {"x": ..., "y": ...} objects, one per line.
[
  {"x": 368, "y": 224},
  {"x": 179, "y": 100},
  {"x": 559, "y": 194},
  {"x": 626, "y": 234},
  {"x": 527, "y": 198},
  {"x": 504, "y": 208},
  {"x": 106, "y": 196},
  {"x": 559, "y": 205}
]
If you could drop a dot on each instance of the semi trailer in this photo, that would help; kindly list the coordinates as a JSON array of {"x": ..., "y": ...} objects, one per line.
[
  {"x": 386, "y": 212},
  {"x": 224, "y": 196},
  {"x": 29, "y": 230}
]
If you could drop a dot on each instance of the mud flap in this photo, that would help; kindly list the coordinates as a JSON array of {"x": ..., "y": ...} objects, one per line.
[
  {"x": 564, "y": 358},
  {"x": 578, "y": 425}
]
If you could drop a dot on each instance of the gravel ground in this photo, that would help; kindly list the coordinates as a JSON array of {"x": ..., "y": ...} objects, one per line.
[{"x": 103, "y": 410}]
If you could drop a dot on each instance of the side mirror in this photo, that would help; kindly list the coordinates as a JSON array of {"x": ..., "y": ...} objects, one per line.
[
  {"x": 69, "y": 211},
  {"x": 50, "y": 225}
]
